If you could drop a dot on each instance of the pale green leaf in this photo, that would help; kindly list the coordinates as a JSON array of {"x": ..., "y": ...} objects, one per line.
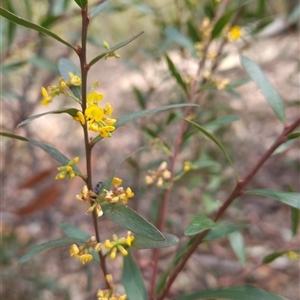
[
  {"x": 271, "y": 95},
  {"x": 141, "y": 242},
  {"x": 49, "y": 245},
  {"x": 199, "y": 224},
  {"x": 222, "y": 231},
  {"x": 289, "y": 198},
  {"x": 99, "y": 8},
  {"x": 74, "y": 231},
  {"x": 237, "y": 243}
]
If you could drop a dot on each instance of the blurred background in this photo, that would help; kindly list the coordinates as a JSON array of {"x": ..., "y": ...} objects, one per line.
[{"x": 33, "y": 203}]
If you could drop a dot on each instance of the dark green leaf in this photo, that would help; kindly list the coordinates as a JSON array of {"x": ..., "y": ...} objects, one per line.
[
  {"x": 222, "y": 231},
  {"x": 47, "y": 148},
  {"x": 99, "y": 8},
  {"x": 74, "y": 231},
  {"x": 177, "y": 37},
  {"x": 11, "y": 29},
  {"x": 65, "y": 66},
  {"x": 71, "y": 111},
  {"x": 199, "y": 224},
  {"x": 215, "y": 140},
  {"x": 18, "y": 20},
  {"x": 176, "y": 74},
  {"x": 232, "y": 293},
  {"x": 271, "y": 95},
  {"x": 129, "y": 219},
  {"x": 81, "y": 3},
  {"x": 141, "y": 242},
  {"x": 221, "y": 23},
  {"x": 289, "y": 198},
  {"x": 49, "y": 245},
  {"x": 237, "y": 243},
  {"x": 295, "y": 220},
  {"x": 132, "y": 280},
  {"x": 118, "y": 46},
  {"x": 293, "y": 135},
  {"x": 270, "y": 257}
]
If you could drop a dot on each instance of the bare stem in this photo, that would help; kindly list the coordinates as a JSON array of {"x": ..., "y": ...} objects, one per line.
[{"x": 237, "y": 191}]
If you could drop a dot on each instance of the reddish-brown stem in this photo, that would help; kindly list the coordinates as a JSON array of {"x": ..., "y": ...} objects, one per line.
[
  {"x": 88, "y": 148},
  {"x": 237, "y": 191}
]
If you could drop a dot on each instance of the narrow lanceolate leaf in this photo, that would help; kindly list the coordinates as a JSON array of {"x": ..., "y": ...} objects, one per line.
[
  {"x": 114, "y": 48},
  {"x": 199, "y": 224},
  {"x": 289, "y": 198},
  {"x": 215, "y": 140},
  {"x": 232, "y": 293},
  {"x": 65, "y": 66},
  {"x": 129, "y": 219},
  {"x": 49, "y": 245},
  {"x": 142, "y": 113},
  {"x": 57, "y": 155},
  {"x": 293, "y": 135},
  {"x": 99, "y": 8},
  {"x": 18, "y": 20},
  {"x": 132, "y": 279},
  {"x": 71, "y": 111},
  {"x": 270, "y": 257},
  {"x": 174, "y": 72},
  {"x": 237, "y": 243},
  {"x": 222, "y": 231},
  {"x": 271, "y": 95},
  {"x": 295, "y": 219},
  {"x": 74, "y": 231},
  {"x": 81, "y": 3},
  {"x": 141, "y": 242}
]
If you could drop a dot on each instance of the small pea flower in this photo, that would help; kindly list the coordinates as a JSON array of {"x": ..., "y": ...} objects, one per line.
[
  {"x": 161, "y": 175},
  {"x": 79, "y": 118},
  {"x": 118, "y": 245},
  {"x": 109, "y": 294},
  {"x": 74, "y": 80},
  {"x": 235, "y": 32},
  {"x": 67, "y": 170}
]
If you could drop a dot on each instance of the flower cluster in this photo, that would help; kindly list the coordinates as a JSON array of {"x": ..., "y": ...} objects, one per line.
[
  {"x": 89, "y": 197},
  {"x": 82, "y": 252},
  {"x": 67, "y": 170},
  {"x": 55, "y": 90},
  {"x": 160, "y": 175},
  {"x": 109, "y": 294},
  {"x": 118, "y": 245},
  {"x": 117, "y": 193}
]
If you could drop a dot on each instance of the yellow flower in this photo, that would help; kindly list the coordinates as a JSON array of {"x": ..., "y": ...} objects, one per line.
[
  {"x": 47, "y": 98},
  {"x": 67, "y": 170},
  {"x": 74, "y": 250},
  {"x": 84, "y": 258},
  {"x": 74, "y": 79},
  {"x": 108, "y": 110},
  {"x": 105, "y": 131},
  {"x": 94, "y": 113},
  {"x": 187, "y": 166},
  {"x": 79, "y": 118},
  {"x": 116, "y": 181},
  {"x": 94, "y": 98},
  {"x": 235, "y": 33}
]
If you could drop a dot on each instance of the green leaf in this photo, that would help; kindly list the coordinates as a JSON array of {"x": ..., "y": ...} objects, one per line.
[
  {"x": 215, "y": 124},
  {"x": 294, "y": 16},
  {"x": 270, "y": 257},
  {"x": 142, "y": 113},
  {"x": 71, "y": 111},
  {"x": 141, "y": 242},
  {"x": 132, "y": 280},
  {"x": 129, "y": 219},
  {"x": 49, "y": 245},
  {"x": 81, "y": 3},
  {"x": 176, "y": 74},
  {"x": 293, "y": 135},
  {"x": 173, "y": 34},
  {"x": 237, "y": 243},
  {"x": 99, "y": 8},
  {"x": 53, "y": 152},
  {"x": 289, "y": 198},
  {"x": 199, "y": 224},
  {"x": 74, "y": 231},
  {"x": 221, "y": 23},
  {"x": 65, "y": 66},
  {"x": 222, "y": 231},
  {"x": 283, "y": 147},
  {"x": 271, "y": 95},
  {"x": 18, "y": 20},
  {"x": 232, "y": 293},
  {"x": 118, "y": 46},
  {"x": 295, "y": 218},
  {"x": 12, "y": 67},
  {"x": 216, "y": 141}
]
